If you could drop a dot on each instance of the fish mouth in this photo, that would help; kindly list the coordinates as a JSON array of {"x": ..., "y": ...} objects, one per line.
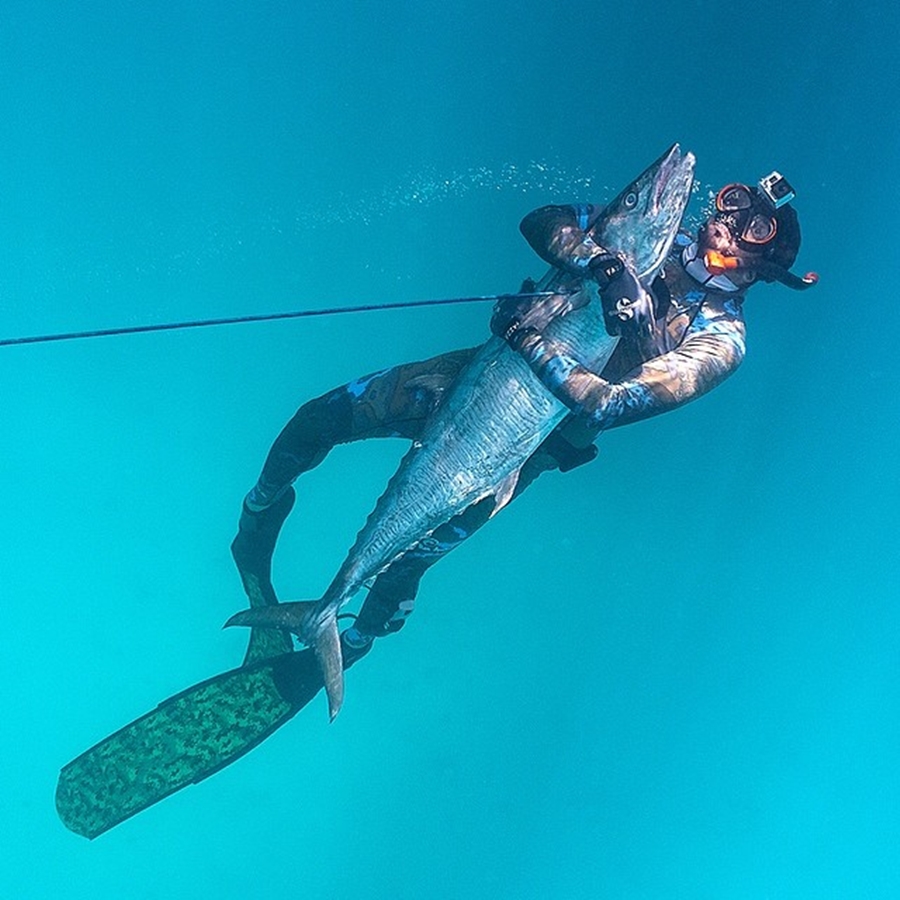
[
  {"x": 643, "y": 220},
  {"x": 674, "y": 178}
]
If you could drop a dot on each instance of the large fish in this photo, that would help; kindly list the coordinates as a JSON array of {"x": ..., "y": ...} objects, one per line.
[{"x": 490, "y": 421}]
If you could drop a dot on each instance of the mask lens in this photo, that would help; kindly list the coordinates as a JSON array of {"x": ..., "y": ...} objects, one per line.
[
  {"x": 733, "y": 198},
  {"x": 760, "y": 229}
]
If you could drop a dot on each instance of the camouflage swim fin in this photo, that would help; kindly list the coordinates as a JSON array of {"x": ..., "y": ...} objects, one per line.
[{"x": 187, "y": 738}]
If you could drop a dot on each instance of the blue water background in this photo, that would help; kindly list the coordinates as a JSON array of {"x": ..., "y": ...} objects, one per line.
[{"x": 670, "y": 674}]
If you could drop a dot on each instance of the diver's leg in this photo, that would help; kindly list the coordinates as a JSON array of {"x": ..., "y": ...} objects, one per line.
[
  {"x": 303, "y": 443},
  {"x": 392, "y": 403}
]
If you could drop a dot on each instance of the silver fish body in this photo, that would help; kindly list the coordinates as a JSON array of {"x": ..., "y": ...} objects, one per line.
[{"x": 492, "y": 419}]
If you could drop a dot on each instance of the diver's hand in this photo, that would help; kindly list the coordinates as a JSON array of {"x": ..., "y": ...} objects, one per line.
[
  {"x": 605, "y": 268},
  {"x": 514, "y": 314},
  {"x": 627, "y": 306}
]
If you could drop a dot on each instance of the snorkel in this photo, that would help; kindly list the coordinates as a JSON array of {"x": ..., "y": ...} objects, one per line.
[{"x": 719, "y": 264}]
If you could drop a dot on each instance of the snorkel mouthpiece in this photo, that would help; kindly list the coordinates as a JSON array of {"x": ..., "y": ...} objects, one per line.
[{"x": 718, "y": 264}]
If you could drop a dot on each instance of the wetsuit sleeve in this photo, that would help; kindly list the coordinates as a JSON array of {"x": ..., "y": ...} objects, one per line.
[
  {"x": 712, "y": 348},
  {"x": 558, "y": 234}
]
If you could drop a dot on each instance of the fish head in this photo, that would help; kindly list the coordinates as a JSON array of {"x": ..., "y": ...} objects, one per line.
[{"x": 642, "y": 222}]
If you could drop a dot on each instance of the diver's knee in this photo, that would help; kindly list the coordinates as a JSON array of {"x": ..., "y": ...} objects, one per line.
[
  {"x": 378, "y": 619},
  {"x": 323, "y": 421},
  {"x": 261, "y": 497}
]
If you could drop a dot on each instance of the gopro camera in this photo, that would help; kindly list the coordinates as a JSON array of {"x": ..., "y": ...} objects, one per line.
[{"x": 776, "y": 189}]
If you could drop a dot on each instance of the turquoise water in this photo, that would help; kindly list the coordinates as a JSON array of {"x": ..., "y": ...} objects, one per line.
[{"x": 670, "y": 674}]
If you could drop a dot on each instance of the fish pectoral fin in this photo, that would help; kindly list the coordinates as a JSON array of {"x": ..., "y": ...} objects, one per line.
[
  {"x": 505, "y": 492},
  {"x": 295, "y": 617},
  {"x": 327, "y": 646}
]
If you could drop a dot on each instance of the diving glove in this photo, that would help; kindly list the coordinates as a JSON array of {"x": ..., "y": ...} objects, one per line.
[{"x": 627, "y": 305}]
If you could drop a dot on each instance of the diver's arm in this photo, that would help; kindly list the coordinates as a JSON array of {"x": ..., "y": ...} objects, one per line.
[
  {"x": 712, "y": 349},
  {"x": 559, "y": 235}
]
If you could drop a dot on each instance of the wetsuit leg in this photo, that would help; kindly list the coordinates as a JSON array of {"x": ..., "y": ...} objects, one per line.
[
  {"x": 391, "y": 403},
  {"x": 303, "y": 443}
]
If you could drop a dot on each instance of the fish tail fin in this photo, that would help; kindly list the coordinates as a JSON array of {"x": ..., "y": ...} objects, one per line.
[
  {"x": 318, "y": 629},
  {"x": 294, "y": 617},
  {"x": 327, "y": 646}
]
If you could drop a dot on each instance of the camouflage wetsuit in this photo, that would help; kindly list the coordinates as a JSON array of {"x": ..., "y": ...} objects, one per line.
[{"x": 695, "y": 342}]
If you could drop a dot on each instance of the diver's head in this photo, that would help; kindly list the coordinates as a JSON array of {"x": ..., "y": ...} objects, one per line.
[{"x": 754, "y": 234}]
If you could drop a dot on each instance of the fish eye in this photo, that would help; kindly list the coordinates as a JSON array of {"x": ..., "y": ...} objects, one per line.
[{"x": 631, "y": 200}]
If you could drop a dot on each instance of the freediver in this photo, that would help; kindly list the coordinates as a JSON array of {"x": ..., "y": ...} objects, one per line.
[
  {"x": 689, "y": 338},
  {"x": 676, "y": 342}
]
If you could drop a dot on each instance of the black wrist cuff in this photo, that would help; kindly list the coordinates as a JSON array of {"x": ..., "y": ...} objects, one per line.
[
  {"x": 605, "y": 269},
  {"x": 517, "y": 336}
]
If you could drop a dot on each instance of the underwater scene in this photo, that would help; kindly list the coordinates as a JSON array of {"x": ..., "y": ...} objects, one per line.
[{"x": 669, "y": 672}]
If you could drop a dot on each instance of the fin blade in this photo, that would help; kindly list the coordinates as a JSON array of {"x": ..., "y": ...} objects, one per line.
[
  {"x": 186, "y": 739},
  {"x": 305, "y": 619},
  {"x": 265, "y": 643}
]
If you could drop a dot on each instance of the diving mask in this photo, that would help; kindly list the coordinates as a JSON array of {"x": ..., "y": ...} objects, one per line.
[{"x": 742, "y": 212}]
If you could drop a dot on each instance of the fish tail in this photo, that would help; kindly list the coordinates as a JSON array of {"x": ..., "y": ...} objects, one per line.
[
  {"x": 296, "y": 617},
  {"x": 315, "y": 627},
  {"x": 327, "y": 647}
]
